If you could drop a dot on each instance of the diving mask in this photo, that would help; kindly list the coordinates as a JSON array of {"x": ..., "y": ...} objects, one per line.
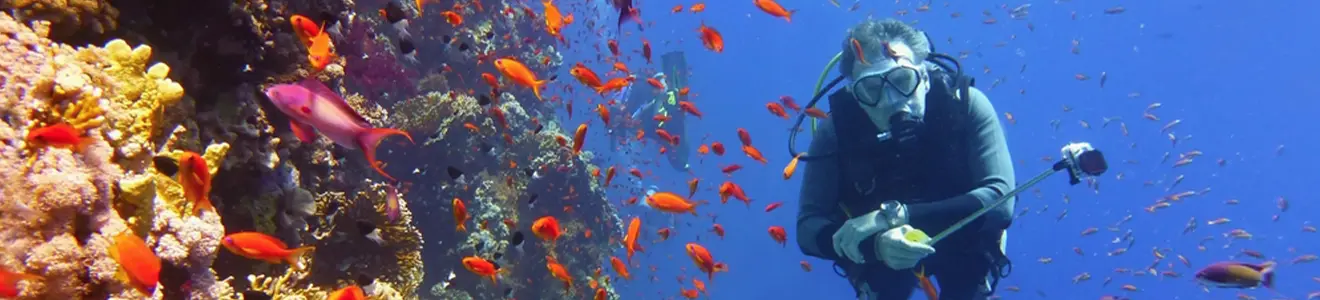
[{"x": 890, "y": 87}]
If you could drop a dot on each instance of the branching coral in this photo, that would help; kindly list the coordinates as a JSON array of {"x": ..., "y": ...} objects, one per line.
[
  {"x": 398, "y": 261},
  {"x": 436, "y": 111},
  {"x": 58, "y": 216}
]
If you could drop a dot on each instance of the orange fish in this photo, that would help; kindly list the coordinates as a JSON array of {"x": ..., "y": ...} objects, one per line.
[
  {"x": 718, "y": 230},
  {"x": 806, "y": 266},
  {"x": 677, "y": 8},
  {"x": 453, "y": 18},
  {"x": 744, "y": 136},
  {"x": 692, "y": 186},
  {"x": 711, "y": 38},
  {"x": 690, "y": 108},
  {"x": 777, "y": 233},
  {"x": 352, "y": 292},
  {"x": 619, "y": 66},
  {"x": 816, "y": 113},
  {"x": 696, "y": 8},
  {"x": 671, "y": 203},
  {"x": 730, "y": 189},
  {"x": 140, "y": 265},
  {"x": 498, "y": 114},
  {"x": 615, "y": 84},
  {"x": 655, "y": 83},
  {"x": 320, "y": 52},
  {"x": 614, "y": 47},
  {"x": 630, "y": 239},
  {"x": 700, "y": 285},
  {"x": 482, "y": 267},
  {"x": 684, "y": 91},
  {"x": 490, "y": 79},
  {"x": 601, "y": 294},
  {"x": 59, "y": 135},
  {"x": 554, "y": 19},
  {"x": 686, "y": 293},
  {"x": 585, "y": 75},
  {"x": 520, "y": 74},
  {"x": 926, "y": 285},
  {"x": 460, "y": 215},
  {"x": 304, "y": 28},
  {"x": 646, "y": 50},
  {"x": 663, "y": 233},
  {"x": 861, "y": 56},
  {"x": 774, "y": 9},
  {"x": 9, "y": 282},
  {"x": 754, "y": 154},
  {"x": 635, "y": 172},
  {"x": 789, "y": 103},
  {"x": 259, "y": 246},
  {"x": 772, "y": 206},
  {"x": 195, "y": 177},
  {"x": 702, "y": 258},
  {"x": 609, "y": 175},
  {"x": 729, "y": 169},
  {"x": 547, "y": 228},
  {"x": 620, "y": 268},
  {"x": 717, "y": 147},
  {"x": 579, "y": 138},
  {"x": 604, "y": 113},
  {"x": 777, "y": 110},
  {"x": 792, "y": 166},
  {"x": 557, "y": 270}
]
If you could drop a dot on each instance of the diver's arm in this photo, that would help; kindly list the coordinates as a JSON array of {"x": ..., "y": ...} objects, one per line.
[
  {"x": 818, "y": 201},
  {"x": 637, "y": 113},
  {"x": 989, "y": 166}
]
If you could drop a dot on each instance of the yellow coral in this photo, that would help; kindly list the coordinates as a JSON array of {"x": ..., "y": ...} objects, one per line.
[
  {"x": 141, "y": 93},
  {"x": 143, "y": 191}
]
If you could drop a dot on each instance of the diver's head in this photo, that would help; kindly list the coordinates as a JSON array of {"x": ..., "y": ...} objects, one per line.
[{"x": 889, "y": 75}]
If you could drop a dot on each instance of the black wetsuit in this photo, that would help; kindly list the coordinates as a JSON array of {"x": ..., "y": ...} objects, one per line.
[{"x": 961, "y": 164}]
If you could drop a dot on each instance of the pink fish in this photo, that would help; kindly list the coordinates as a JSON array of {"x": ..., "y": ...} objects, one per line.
[{"x": 312, "y": 107}]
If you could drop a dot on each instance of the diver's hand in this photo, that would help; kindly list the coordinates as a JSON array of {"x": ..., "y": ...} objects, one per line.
[
  {"x": 848, "y": 238},
  {"x": 897, "y": 252}
]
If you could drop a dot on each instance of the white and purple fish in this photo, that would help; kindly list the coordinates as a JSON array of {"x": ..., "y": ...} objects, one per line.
[{"x": 313, "y": 107}]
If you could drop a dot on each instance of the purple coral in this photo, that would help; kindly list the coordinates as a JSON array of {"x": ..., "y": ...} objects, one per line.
[{"x": 370, "y": 66}]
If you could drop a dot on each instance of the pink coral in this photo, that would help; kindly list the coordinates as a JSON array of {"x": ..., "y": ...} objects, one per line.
[{"x": 372, "y": 67}]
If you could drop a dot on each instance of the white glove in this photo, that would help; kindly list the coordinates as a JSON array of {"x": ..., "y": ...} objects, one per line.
[
  {"x": 897, "y": 252},
  {"x": 847, "y": 239}
]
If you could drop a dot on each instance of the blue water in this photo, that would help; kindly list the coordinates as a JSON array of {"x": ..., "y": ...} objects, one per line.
[{"x": 1238, "y": 75}]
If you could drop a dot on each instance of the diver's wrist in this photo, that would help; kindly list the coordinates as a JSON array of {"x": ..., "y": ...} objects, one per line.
[{"x": 895, "y": 213}]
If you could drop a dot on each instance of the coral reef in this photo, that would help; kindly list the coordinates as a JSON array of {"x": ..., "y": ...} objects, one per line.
[
  {"x": 371, "y": 67},
  {"x": 75, "y": 20},
  {"x": 61, "y": 204}
]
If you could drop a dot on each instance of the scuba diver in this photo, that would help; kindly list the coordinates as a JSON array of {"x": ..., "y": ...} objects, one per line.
[
  {"x": 924, "y": 149},
  {"x": 646, "y": 103}
]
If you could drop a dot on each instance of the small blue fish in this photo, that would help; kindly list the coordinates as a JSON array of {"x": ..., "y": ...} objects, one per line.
[{"x": 1240, "y": 275}]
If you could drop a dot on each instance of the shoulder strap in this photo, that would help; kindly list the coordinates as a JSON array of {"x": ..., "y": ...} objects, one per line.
[{"x": 855, "y": 137}]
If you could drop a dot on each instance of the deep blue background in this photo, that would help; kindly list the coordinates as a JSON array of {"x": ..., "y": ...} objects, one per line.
[{"x": 1239, "y": 75}]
